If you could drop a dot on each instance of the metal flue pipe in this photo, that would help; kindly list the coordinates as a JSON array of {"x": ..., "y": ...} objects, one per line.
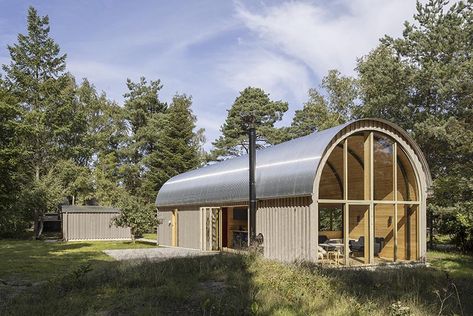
[{"x": 252, "y": 182}]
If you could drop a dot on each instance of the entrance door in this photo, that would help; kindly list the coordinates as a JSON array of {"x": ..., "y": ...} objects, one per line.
[
  {"x": 211, "y": 228},
  {"x": 174, "y": 221}
]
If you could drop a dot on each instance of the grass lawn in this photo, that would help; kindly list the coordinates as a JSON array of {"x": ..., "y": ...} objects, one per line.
[
  {"x": 228, "y": 284},
  {"x": 35, "y": 260},
  {"x": 457, "y": 265},
  {"x": 152, "y": 236}
]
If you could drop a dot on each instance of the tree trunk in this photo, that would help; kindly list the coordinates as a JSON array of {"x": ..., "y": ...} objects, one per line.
[
  {"x": 37, "y": 228},
  {"x": 36, "y": 224}
]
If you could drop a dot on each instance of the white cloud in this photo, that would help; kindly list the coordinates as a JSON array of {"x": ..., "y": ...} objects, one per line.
[
  {"x": 325, "y": 37},
  {"x": 281, "y": 77}
]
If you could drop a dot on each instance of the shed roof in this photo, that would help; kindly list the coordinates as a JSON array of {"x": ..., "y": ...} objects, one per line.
[
  {"x": 88, "y": 209},
  {"x": 284, "y": 170}
]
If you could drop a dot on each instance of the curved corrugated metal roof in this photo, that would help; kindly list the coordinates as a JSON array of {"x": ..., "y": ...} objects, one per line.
[{"x": 284, "y": 170}]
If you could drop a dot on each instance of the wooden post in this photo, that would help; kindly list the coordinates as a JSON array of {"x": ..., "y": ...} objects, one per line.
[
  {"x": 369, "y": 145},
  {"x": 395, "y": 198},
  {"x": 346, "y": 223},
  {"x": 220, "y": 230},
  {"x": 201, "y": 228}
]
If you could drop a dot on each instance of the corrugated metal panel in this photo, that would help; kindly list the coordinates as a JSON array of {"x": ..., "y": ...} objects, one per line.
[
  {"x": 164, "y": 229},
  {"x": 188, "y": 228},
  {"x": 287, "y": 169},
  {"x": 284, "y": 170},
  {"x": 89, "y": 209},
  {"x": 93, "y": 226},
  {"x": 285, "y": 225}
]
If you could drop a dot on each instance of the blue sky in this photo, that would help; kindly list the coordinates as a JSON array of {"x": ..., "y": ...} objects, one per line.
[{"x": 211, "y": 49}]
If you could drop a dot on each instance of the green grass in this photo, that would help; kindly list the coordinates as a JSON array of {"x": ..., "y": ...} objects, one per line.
[
  {"x": 232, "y": 285},
  {"x": 152, "y": 236},
  {"x": 456, "y": 264},
  {"x": 36, "y": 260}
]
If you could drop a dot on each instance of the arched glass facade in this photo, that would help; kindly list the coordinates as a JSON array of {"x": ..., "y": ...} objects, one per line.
[{"x": 368, "y": 202}]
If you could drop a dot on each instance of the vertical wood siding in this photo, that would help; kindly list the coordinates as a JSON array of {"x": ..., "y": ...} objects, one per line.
[
  {"x": 164, "y": 229},
  {"x": 92, "y": 226},
  {"x": 188, "y": 228},
  {"x": 285, "y": 225}
]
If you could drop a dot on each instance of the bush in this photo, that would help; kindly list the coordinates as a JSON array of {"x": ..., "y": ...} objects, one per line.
[{"x": 141, "y": 217}]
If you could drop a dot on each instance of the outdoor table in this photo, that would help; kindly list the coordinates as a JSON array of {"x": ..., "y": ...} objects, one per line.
[{"x": 337, "y": 248}]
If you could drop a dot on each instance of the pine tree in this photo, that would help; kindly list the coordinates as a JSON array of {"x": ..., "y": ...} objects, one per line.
[
  {"x": 142, "y": 106},
  {"x": 334, "y": 105},
  {"x": 36, "y": 76},
  {"x": 423, "y": 81},
  {"x": 177, "y": 148},
  {"x": 255, "y": 102},
  {"x": 12, "y": 158}
]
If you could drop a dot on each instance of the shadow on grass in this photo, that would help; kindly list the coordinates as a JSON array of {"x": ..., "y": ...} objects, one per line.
[
  {"x": 227, "y": 284},
  {"x": 218, "y": 284},
  {"x": 414, "y": 286}
]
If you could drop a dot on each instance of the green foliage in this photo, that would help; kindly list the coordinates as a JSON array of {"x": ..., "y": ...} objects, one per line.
[
  {"x": 36, "y": 77},
  {"x": 12, "y": 158},
  {"x": 334, "y": 105},
  {"x": 178, "y": 149},
  {"x": 251, "y": 102},
  {"x": 43, "y": 195},
  {"x": 139, "y": 216},
  {"x": 142, "y": 110},
  {"x": 63, "y": 140},
  {"x": 76, "y": 181},
  {"x": 141, "y": 102},
  {"x": 423, "y": 82}
]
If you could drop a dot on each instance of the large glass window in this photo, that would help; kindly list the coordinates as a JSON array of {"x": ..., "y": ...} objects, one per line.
[
  {"x": 331, "y": 233},
  {"x": 355, "y": 161},
  {"x": 407, "y": 232},
  {"x": 380, "y": 179},
  {"x": 384, "y": 232},
  {"x": 383, "y": 168},
  {"x": 331, "y": 186},
  {"x": 330, "y": 217},
  {"x": 358, "y": 233},
  {"x": 406, "y": 179}
]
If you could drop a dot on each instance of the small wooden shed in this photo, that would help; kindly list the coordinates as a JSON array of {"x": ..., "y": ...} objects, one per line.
[{"x": 91, "y": 223}]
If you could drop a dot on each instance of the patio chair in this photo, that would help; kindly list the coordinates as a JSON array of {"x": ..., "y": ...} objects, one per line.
[
  {"x": 321, "y": 254},
  {"x": 322, "y": 239},
  {"x": 358, "y": 245},
  {"x": 378, "y": 245}
]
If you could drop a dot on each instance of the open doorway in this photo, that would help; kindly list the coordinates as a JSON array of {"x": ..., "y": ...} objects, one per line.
[{"x": 235, "y": 227}]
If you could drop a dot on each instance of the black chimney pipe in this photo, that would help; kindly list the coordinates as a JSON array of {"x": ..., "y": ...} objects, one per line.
[{"x": 252, "y": 178}]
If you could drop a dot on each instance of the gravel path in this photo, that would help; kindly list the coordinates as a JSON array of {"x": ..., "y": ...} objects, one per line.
[{"x": 155, "y": 253}]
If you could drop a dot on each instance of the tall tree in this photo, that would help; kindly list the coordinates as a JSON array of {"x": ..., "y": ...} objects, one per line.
[
  {"x": 424, "y": 82},
  {"x": 335, "y": 104},
  {"x": 255, "y": 102},
  {"x": 105, "y": 139},
  {"x": 142, "y": 106},
  {"x": 178, "y": 148},
  {"x": 36, "y": 76},
  {"x": 12, "y": 158}
]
